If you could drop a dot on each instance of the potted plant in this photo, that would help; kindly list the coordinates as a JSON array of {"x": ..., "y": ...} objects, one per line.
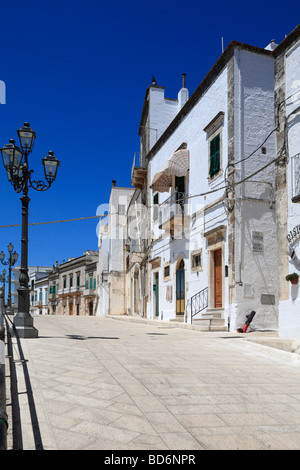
[{"x": 293, "y": 278}]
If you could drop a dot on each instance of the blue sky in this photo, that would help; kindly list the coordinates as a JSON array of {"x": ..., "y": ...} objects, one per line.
[{"x": 78, "y": 72}]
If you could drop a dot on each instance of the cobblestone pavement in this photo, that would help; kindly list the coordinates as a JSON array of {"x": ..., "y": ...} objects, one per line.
[{"x": 96, "y": 383}]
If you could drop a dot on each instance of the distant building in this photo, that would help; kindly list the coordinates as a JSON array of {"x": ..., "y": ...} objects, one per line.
[
  {"x": 38, "y": 282},
  {"x": 34, "y": 273},
  {"x": 112, "y": 238},
  {"x": 72, "y": 288}
]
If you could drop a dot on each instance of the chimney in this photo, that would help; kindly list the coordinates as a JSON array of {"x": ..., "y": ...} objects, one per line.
[
  {"x": 183, "y": 94},
  {"x": 114, "y": 183},
  {"x": 271, "y": 46}
]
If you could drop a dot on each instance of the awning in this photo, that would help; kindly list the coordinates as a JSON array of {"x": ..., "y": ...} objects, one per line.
[{"x": 177, "y": 165}]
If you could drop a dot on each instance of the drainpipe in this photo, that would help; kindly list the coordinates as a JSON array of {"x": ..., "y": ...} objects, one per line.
[{"x": 3, "y": 415}]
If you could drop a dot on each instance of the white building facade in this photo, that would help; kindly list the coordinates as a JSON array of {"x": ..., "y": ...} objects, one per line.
[
  {"x": 211, "y": 254},
  {"x": 39, "y": 282},
  {"x": 287, "y": 114},
  {"x": 112, "y": 237}
]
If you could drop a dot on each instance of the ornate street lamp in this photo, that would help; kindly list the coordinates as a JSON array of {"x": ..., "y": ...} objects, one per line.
[
  {"x": 13, "y": 257},
  {"x": 15, "y": 161}
]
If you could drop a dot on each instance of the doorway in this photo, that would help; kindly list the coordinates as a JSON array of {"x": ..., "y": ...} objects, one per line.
[
  {"x": 180, "y": 289},
  {"x": 156, "y": 294},
  {"x": 218, "y": 278},
  {"x": 136, "y": 293}
]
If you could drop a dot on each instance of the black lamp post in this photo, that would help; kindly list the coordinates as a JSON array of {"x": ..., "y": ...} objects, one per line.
[
  {"x": 15, "y": 161},
  {"x": 3, "y": 280},
  {"x": 13, "y": 257}
]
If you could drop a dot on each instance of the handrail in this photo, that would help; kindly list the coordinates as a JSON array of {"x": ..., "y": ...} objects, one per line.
[{"x": 199, "y": 302}]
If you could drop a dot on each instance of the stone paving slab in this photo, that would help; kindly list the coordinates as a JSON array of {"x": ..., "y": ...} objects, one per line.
[{"x": 94, "y": 383}]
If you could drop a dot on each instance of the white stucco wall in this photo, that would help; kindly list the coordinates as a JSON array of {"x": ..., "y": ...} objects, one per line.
[
  {"x": 255, "y": 272},
  {"x": 289, "y": 310}
]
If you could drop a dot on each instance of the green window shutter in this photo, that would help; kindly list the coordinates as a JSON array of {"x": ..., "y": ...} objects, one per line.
[
  {"x": 50, "y": 290},
  {"x": 94, "y": 283},
  {"x": 214, "y": 156},
  {"x": 87, "y": 285},
  {"x": 91, "y": 283}
]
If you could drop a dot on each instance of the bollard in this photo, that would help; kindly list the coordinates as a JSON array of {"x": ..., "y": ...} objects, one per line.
[{"x": 3, "y": 415}]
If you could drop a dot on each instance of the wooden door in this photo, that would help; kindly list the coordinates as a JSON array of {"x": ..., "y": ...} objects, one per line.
[
  {"x": 218, "y": 277},
  {"x": 70, "y": 309},
  {"x": 180, "y": 289},
  {"x": 156, "y": 294}
]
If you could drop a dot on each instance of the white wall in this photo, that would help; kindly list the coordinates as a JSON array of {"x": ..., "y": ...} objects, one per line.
[
  {"x": 289, "y": 316},
  {"x": 255, "y": 272}
]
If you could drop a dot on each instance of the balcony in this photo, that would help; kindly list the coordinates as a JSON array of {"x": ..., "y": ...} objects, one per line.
[
  {"x": 137, "y": 251},
  {"x": 89, "y": 292},
  {"x": 69, "y": 290},
  {"x": 295, "y": 175},
  {"x": 138, "y": 172},
  {"x": 173, "y": 214}
]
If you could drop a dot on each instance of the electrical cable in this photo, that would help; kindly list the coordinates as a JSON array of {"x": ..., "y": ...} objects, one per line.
[{"x": 73, "y": 62}]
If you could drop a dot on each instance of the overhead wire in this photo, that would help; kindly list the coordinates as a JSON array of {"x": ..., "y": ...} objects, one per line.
[{"x": 73, "y": 62}]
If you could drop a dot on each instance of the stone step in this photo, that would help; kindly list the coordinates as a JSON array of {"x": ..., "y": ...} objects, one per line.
[
  {"x": 211, "y": 321},
  {"x": 179, "y": 318}
]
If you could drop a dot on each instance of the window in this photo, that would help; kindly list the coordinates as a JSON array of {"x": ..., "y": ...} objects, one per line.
[
  {"x": 214, "y": 156},
  {"x": 65, "y": 282},
  {"x": 78, "y": 280},
  {"x": 121, "y": 209},
  {"x": 167, "y": 271},
  {"x": 155, "y": 207},
  {"x": 214, "y": 131},
  {"x": 196, "y": 260},
  {"x": 71, "y": 281},
  {"x": 52, "y": 290}
]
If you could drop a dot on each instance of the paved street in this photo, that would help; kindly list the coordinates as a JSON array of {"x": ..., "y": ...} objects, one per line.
[{"x": 96, "y": 383}]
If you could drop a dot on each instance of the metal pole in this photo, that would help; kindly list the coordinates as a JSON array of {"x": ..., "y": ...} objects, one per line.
[
  {"x": 3, "y": 414},
  {"x": 9, "y": 282},
  {"x": 23, "y": 321}
]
